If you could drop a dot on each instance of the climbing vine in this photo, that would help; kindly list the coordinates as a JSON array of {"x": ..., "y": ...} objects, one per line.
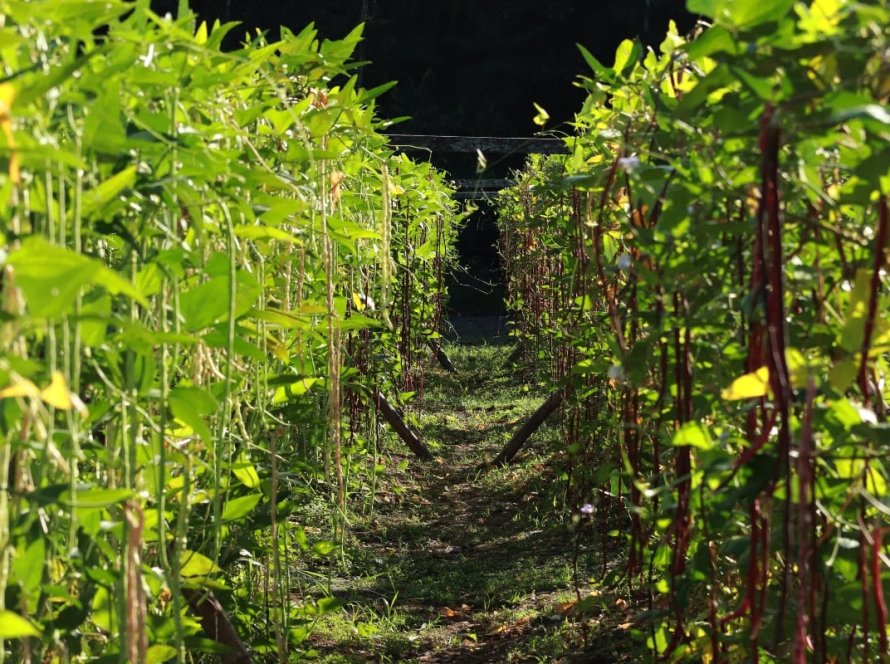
[
  {"x": 205, "y": 254},
  {"x": 704, "y": 276}
]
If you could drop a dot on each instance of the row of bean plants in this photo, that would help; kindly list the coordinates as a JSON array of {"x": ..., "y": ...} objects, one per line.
[
  {"x": 704, "y": 275},
  {"x": 212, "y": 261}
]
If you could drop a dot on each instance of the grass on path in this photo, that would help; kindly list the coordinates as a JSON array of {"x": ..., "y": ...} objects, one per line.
[{"x": 458, "y": 563}]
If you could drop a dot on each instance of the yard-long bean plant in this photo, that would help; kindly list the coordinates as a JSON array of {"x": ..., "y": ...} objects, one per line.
[
  {"x": 211, "y": 262},
  {"x": 706, "y": 274}
]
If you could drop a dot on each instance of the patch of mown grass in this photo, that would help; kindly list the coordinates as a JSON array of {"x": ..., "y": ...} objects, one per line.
[{"x": 466, "y": 563}]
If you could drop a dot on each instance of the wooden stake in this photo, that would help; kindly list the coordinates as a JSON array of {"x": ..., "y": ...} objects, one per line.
[
  {"x": 514, "y": 356},
  {"x": 408, "y": 436},
  {"x": 443, "y": 359},
  {"x": 217, "y": 626},
  {"x": 526, "y": 430}
]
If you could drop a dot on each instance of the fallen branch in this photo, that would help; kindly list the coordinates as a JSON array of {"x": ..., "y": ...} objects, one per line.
[
  {"x": 408, "y": 436},
  {"x": 443, "y": 359},
  {"x": 531, "y": 425},
  {"x": 217, "y": 626}
]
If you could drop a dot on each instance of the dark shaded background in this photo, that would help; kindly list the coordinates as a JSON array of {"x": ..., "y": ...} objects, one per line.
[{"x": 467, "y": 68}]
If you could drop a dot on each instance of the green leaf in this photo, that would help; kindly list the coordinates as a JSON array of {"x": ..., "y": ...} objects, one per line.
[
  {"x": 194, "y": 564},
  {"x": 101, "y": 612},
  {"x": 158, "y": 654},
  {"x": 626, "y": 56},
  {"x": 245, "y": 471},
  {"x": 602, "y": 72},
  {"x": 27, "y": 567},
  {"x": 329, "y": 604},
  {"x": 295, "y": 389},
  {"x": 742, "y": 14},
  {"x": 109, "y": 190},
  {"x": 103, "y": 129},
  {"x": 867, "y": 112},
  {"x": 95, "y": 498},
  {"x": 205, "y": 304},
  {"x": 704, "y": 7},
  {"x": 693, "y": 434},
  {"x": 300, "y": 538},
  {"x": 266, "y": 233},
  {"x": 852, "y": 335},
  {"x": 747, "y": 14},
  {"x": 13, "y": 626},
  {"x": 367, "y": 95},
  {"x": 51, "y": 277},
  {"x": 197, "y": 399},
  {"x": 356, "y": 322},
  {"x": 95, "y": 315},
  {"x": 720, "y": 77},
  {"x": 240, "y": 507},
  {"x": 190, "y": 405},
  {"x": 285, "y": 319},
  {"x": 715, "y": 39},
  {"x": 842, "y": 374}
]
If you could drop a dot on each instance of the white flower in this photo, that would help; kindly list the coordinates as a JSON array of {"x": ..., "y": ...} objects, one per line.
[
  {"x": 629, "y": 164},
  {"x": 868, "y": 416},
  {"x": 616, "y": 372},
  {"x": 625, "y": 262},
  {"x": 587, "y": 509}
]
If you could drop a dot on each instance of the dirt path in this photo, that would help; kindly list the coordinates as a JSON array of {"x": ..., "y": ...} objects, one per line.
[{"x": 459, "y": 564}]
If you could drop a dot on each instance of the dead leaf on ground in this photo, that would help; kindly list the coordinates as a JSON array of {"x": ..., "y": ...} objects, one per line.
[
  {"x": 565, "y": 607},
  {"x": 512, "y": 628},
  {"x": 447, "y": 612}
]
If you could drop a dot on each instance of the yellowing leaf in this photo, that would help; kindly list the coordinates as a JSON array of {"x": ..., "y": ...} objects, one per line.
[
  {"x": 279, "y": 351},
  {"x": 750, "y": 386},
  {"x": 56, "y": 394},
  {"x": 201, "y": 34},
  {"x": 336, "y": 180},
  {"x": 358, "y": 302},
  {"x": 21, "y": 387},
  {"x": 542, "y": 116},
  {"x": 13, "y": 626},
  {"x": 756, "y": 384},
  {"x": 822, "y": 18},
  {"x": 7, "y": 97},
  {"x": 853, "y": 333}
]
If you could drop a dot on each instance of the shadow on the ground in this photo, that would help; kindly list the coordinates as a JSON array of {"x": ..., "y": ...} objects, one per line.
[{"x": 474, "y": 564}]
